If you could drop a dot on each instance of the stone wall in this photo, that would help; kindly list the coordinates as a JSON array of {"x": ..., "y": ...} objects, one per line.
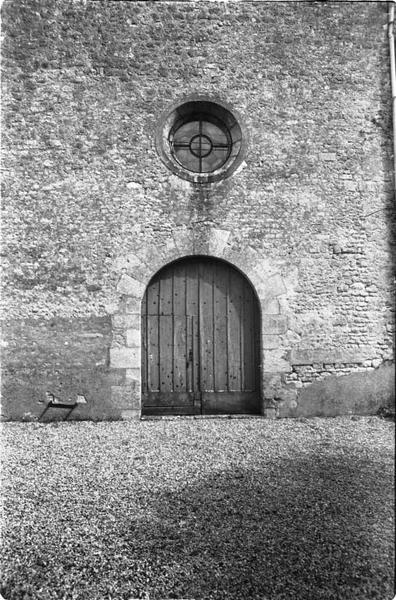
[{"x": 91, "y": 212}]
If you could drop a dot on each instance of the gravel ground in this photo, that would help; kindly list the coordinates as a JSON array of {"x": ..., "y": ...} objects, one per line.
[{"x": 199, "y": 509}]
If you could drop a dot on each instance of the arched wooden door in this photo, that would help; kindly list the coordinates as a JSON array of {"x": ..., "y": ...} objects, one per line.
[{"x": 200, "y": 350}]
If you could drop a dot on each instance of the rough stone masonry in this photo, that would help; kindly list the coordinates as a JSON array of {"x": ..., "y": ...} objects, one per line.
[{"x": 91, "y": 213}]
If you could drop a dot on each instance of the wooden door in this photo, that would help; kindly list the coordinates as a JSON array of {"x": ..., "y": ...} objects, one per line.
[{"x": 200, "y": 351}]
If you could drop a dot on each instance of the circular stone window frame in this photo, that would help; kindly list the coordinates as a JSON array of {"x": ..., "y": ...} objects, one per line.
[{"x": 223, "y": 111}]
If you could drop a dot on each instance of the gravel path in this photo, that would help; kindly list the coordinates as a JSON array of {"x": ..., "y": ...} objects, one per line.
[{"x": 199, "y": 509}]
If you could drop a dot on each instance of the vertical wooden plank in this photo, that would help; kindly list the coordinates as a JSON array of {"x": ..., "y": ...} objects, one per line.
[
  {"x": 144, "y": 365},
  {"x": 196, "y": 372},
  {"x": 152, "y": 298},
  {"x": 192, "y": 354},
  {"x": 152, "y": 335},
  {"x": 152, "y": 353},
  {"x": 179, "y": 353},
  {"x": 248, "y": 358},
  {"x": 220, "y": 285},
  {"x": 192, "y": 275},
  {"x": 228, "y": 328},
  {"x": 192, "y": 309},
  {"x": 257, "y": 346},
  {"x": 242, "y": 332},
  {"x": 189, "y": 349},
  {"x": 213, "y": 268},
  {"x": 166, "y": 353},
  {"x": 166, "y": 330},
  {"x": 166, "y": 292},
  {"x": 235, "y": 297},
  {"x": 179, "y": 328},
  {"x": 206, "y": 325},
  {"x": 144, "y": 361},
  {"x": 179, "y": 289}
]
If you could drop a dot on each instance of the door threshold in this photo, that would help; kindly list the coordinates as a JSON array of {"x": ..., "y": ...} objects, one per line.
[{"x": 196, "y": 417}]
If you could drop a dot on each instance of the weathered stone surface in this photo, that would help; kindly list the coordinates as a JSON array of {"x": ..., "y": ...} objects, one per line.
[
  {"x": 275, "y": 361},
  {"x": 271, "y": 385},
  {"x": 130, "y": 286},
  {"x": 288, "y": 396},
  {"x": 217, "y": 241},
  {"x": 124, "y": 358},
  {"x": 112, "y": 308},
  {"x": 355, "y": 393},
  {"x": 183, "y": 239},
  {"x": 126, "y": 321},
  {"x": 126, "y": 396},
  {"x": 269, "y": 412},
  {"x": 272, "y": 287},
  {"x": 133, "y": 338},
  {"x": 132, "y": 306},
  {"x": 270, "y": 306},
  {"x": 336, "y": 355},
  {"x": 131, "y": 263},
  {"x": 244, "y": 259},
  {"x": 158, "y": 254},
  {"x": 130, "y": 414},
  {"x": 275, "y": 286},
  {"x": 201, "y": 243},
  {"x": 133, "y": 374},
  {"x": 271, "y": 341},
  {"x": 274, "y": 324},
  {"x": 328, "y": 156}
]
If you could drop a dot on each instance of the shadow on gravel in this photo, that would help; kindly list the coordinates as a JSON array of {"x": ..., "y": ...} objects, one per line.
[
  {"x": 303, "y": 530},
  {"x": 312, "y": 528}
]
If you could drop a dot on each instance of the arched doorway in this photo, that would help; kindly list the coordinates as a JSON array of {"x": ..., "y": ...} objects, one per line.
[{"x": 200, "y": 340}]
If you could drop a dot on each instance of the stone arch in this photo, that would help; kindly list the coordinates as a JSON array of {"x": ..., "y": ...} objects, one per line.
[{"x": 135, "y": 269}]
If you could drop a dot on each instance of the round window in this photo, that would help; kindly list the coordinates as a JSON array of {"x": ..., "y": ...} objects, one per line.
[
  {"x": 200, "y": 141},
  {"x": 201, "y": 145}
]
